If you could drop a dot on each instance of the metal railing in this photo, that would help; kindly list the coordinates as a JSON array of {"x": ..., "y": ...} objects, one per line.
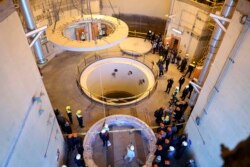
[
  {"x": 86, "y": 61},
  {"x": 137, "y": 34}
]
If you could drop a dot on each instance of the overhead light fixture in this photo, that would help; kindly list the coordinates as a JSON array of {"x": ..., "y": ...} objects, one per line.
[
  {"x": 170, "y": 16},
  {"x": 177, "y": 31}
]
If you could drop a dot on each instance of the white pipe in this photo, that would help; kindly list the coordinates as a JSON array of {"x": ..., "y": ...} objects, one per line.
[
  {"x": 219, "y": 24},
  {"x": 31, "y": 25},
  {"x": 219, "y": 17},
  {"x": 36, "y": 38},
  {"x": 214, "y": 44},
  {"x": 216, "y": 38},
  {"x": 36, "y": 31}
]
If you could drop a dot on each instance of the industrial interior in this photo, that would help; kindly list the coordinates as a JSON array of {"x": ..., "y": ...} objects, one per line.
[{"x": 121, "y": 83}]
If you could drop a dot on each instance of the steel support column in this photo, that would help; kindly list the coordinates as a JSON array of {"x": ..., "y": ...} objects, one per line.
[
  {"x": 31, "y": 25},
  {"x": 214, "y": 44}
]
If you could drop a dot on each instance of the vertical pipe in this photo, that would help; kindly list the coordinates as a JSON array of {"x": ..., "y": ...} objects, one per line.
[
  {"x": 30, "y": 23},
  {"x": 214, "y": 44},
  {"x": 190, "y": 37},
  {"x": 90, "y": 31},
  {"x": 218, "y": 34}
]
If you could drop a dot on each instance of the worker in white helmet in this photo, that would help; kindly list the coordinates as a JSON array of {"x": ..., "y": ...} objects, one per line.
[
  {"x": 130, "y": 153},
  {"x": 106, "y": 127},
  {"x": 69, "y": 113},
  {"x": 79, "y": 161}
]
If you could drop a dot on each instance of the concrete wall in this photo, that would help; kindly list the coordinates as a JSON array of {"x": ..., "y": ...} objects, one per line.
[
  {"x": 191, "y": 20},
  {"x": 227, "y": 118},
  {"x": 156, "y": 8},
  {"x": 30, "y": 133}
]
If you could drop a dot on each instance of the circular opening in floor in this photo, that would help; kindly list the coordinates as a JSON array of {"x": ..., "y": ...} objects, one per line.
[
  {"x": 124, "y": 130},
  {"x": 117, "y": 81}
]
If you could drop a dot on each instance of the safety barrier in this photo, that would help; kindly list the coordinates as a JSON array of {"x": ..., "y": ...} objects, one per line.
[{"x": 91, "y": 59}]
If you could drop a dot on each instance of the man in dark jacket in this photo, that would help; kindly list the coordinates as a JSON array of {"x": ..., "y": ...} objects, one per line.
[
  {"x": 181, "y": 81},
  {"x": 190, "y": 69},
  {"x": 185, "y": 92},
  {"x": 169, "y": 85},
  {"x": 183, "y": 64},
  {"x": 104, "y": 135}
]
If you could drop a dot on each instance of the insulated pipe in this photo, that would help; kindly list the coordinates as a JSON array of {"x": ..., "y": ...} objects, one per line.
[
  {"x": 31, "y": 25},
  {"x": 216, "y": 38},
  {"x": 218, "y": 34}
]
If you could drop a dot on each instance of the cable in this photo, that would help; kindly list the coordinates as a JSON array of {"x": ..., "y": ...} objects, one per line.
[
  {"x": 124, "y": 130},
  {"x": 56, "y": 13},
  {"x": 101, "y": 85}
]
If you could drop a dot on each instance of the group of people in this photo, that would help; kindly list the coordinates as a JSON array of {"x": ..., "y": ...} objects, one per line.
[
  {"x": 187, "y": 91},
  {"x": 73, "y": 141},
  {"x": 169, "y": 55},
  {"x": 104, "y": 135},
  {"x": 170, "y": 145},
  {"x": 65, "y": 123},
  {"x": 76, "y": 142}
]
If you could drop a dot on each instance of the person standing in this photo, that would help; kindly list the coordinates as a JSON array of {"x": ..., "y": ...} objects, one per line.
[
  {"x": 157, "y": 162},
  {"x": 190, "y": 69},
  {"x": 191, "y": 88},
  {"x": 69, "y": 113},
  {"x": 67, "y": 128},
  {"x": 183, "y": 63},
  {"x": 79, "y": 161},
  {"x": 170, "y": 152},
  {"x": 161, "y": 69},
  {"x": 70, "y": 142},
  {"x": 181, "y": 150},
  {"x": 185, "y": 92},
  {"x": 148, "y": 36},
  {"x": 167, "y": 62},
  {"x": 178, "y": 58},
  {"x": 106, "y": 127},
  {"x": 174, "y": 52},
  {"x": 79, "y": 148},
  {"x": 79, "y": 118},
  {"x": 104, "y": 135},
  {"x": 154, "y": 46},
  {"x": 158, "y": 114},
  {"x": 169, "y": 85},
  {"x": 130, "y": 155},
  {"x": 181, "y": 81}
]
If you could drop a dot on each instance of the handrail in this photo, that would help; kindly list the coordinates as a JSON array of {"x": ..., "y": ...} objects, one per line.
[
  {"x": 91, "y": 59},
  {"x": 137, "y": 34}
]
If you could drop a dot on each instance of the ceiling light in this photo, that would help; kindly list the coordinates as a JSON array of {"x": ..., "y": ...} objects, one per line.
[{"x": 177, "y": 31}]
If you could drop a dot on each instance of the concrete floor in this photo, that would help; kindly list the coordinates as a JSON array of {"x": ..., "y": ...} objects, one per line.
[{"x": 59, "y": 76}]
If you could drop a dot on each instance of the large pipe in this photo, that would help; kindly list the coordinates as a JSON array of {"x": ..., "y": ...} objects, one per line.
[
  {"x": 214, "y": 44},
  {"x": 218, "y": 34},
  {"x": 31, "y": 25}
]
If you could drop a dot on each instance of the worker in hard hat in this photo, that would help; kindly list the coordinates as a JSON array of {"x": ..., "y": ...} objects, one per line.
[
  {"x": 130, "y": 153},
  {"x": 104, "y": 135},
  {"x": 69, "y": 113},
  {"x": 148, "y": 36},
  {"x": 190, "y": 69},
  {"x": 106, "y": 127},
  {"x": 79, "y": 161},
  {"x": 79, "y": 118}
]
